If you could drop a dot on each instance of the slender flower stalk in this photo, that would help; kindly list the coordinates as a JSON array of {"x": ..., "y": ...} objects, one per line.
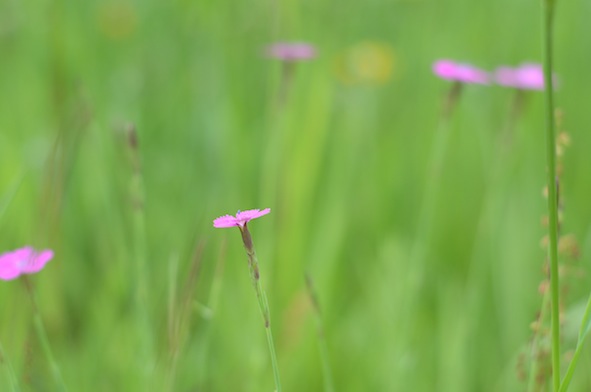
[
  {"x": 240, "y": 220},
  {"x": 459, "y": 74},
  {"x": 42, "y": 336},
  {"x": 540, "y": 351},
  {"x": 517, "y": 108},
  {"x": 289, "y": 54},
  {"x": 548, "y": 16},
  {"x": 526, "y": 77}
]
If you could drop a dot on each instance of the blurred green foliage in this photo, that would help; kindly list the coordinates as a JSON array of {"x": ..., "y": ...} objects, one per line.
[{"x": 342, "y": 162}]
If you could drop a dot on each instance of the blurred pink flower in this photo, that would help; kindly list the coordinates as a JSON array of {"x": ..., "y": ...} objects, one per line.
[
  {"x": 464, "y": 73},
  {"x": 23, "y": 261},
  {"x": 241, "y": 218},
  {"x": 527, "y": 76},
  {"x": 291, "y": 51}
]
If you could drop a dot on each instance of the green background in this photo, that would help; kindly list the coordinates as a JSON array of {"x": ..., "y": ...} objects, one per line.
[{"x": 343, "y": 162}]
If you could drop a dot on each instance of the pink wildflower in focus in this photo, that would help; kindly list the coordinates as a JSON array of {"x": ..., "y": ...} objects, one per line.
[
  {"x": 23, "y": 261},
  {"x": 241, "y": 218},
  {"x": 525, "y": 77},
  {"x": 464, "y": 73},
  {"x": 291, "y": 51}
]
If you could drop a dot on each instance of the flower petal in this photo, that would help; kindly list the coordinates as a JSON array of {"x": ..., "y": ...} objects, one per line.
[
  {"x": 8, "y": 269},
  {"x": 245, "y": 216},
  {"x": 241, "y": 218},
  {"x": 37, "y": 261},
  {"x": 23, "y": 260},
  {"x": 225, "y": 221}
]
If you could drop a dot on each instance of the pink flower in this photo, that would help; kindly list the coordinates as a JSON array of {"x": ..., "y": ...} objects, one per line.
[
  {"x": 527, "y": 76},
  {"x": 23, "y": 261},
  {"x": 291, "y": 51},
  {"x": 241, "y": 218},
  {"x": 464, "y": 73}
]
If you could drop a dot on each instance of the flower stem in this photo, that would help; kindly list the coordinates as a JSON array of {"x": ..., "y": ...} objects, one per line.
[
  {"x": 253, "y": 265},
  {"x": 273, "y": 355},
  {"x": 517, "y": 107},
  {"x": 437, "y": 160},
  {"x": 552, "y": 191},
  {"x": 427, "y": 210},
  {"x": 42, "y": 336}
]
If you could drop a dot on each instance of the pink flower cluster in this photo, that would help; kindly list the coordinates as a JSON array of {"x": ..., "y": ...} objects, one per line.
[
  {"x": 241, "y": 218},
  {"x": 23, "y": 261},
  {"x": 527, "y": 76}
]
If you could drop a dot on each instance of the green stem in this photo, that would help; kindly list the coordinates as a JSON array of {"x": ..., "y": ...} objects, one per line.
[
  {"x": 569, "y": 372},
  {"x": 273, "y": 355},
  {"x": 253, "y": 265},
  {"x": 437, "y": 160},
  {"x": 552, "y": 191},
  {"x": 42, "y": 336},
  {"x": 582, "y": 335},
  {"x": 431, "y": 192},
  {"x": 517, "y": 107}
]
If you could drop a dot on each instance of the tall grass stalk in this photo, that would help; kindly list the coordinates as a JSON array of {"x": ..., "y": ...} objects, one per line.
[
  {"x": 583, "y": 332},
  {"x": 179, "y": 316},
  {"x": 547, "y": 27},
  {"x": 210, "y": 316}
]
